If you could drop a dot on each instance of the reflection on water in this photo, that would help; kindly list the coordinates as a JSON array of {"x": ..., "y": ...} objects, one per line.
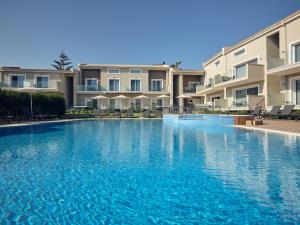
[{"x": 189, "y": 168}]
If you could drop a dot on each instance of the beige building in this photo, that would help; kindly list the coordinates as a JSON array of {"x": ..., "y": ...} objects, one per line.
[
  {"x": 143, "y": 86},
  {"x": 263, "y": 69},
  {"x": 39, "y": 80}
]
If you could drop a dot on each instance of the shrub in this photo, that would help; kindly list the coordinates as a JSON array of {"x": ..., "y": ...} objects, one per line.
[{"x": 16, "y": 103}]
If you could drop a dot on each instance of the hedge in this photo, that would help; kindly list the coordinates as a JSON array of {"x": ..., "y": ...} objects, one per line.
[{"x": 18, "y": 103}]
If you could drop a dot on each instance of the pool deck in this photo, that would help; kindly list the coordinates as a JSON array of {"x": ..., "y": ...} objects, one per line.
[
  {"x": 28, "y": 123},
  {"x": 290, "y": 127}
]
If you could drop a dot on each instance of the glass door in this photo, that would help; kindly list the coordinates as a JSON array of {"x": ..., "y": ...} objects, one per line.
[{"x": 297, "y": 92}]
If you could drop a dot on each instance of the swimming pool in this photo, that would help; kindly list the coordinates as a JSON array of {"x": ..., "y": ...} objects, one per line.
[{"x": 147, "y": 172}]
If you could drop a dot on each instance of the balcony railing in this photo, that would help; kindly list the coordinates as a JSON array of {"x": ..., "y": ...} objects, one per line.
[
  {"x": 88, "y": 88},
  {"x": 275, "y": 62},
  {"x": 191, "y": 89},
  {"x": 21, "y": 85},
  {"x": 221, "y": 103},
  {"x": 157, "y": 89},
  {"x": 222, "y": 78}
]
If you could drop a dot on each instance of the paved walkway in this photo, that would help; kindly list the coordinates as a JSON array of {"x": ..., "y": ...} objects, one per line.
[{"x": 282, "y": 126}]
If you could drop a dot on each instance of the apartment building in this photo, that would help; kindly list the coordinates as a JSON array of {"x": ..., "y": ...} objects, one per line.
[
  {"x": 39, "y": 80},
  {"x": 263, "y": 69},
  {"x": 135, "y": 86}
]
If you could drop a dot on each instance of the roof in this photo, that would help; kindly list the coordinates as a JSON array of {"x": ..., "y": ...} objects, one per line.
[
  {"x": 189, "y": 71},
  {"x": 90, "y": 66},
  {"x": 264, "y": 31},
  {"x": 19, "y": 69}
]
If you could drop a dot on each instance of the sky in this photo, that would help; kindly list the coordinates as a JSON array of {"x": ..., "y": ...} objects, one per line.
[{"x": 34, "y": 32}]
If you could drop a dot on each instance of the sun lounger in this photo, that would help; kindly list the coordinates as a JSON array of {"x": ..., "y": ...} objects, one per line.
[
  {"x": 274, "y": 112},
  {"x": 147, "y": 114},
  {"x": 129, "y": 113},
  {"x": 257, "y": 111},
  {"x": 117, "y": 113},
  {"x": 286, "y": 112}
]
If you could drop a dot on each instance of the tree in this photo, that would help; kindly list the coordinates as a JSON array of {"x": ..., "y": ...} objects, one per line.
[
  {"x": 63, "y": 63},
  {"x": 176, "y": 64}
]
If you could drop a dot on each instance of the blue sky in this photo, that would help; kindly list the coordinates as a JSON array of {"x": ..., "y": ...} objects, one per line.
[{"x": 129, "y": 31}]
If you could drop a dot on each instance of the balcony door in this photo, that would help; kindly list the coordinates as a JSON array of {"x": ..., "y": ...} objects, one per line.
[
  {"x": 241, "y": 95},
  {"x": 91, "y": 84},
  {"x": 297, "y": 92},
  {"x": 17, "y": 81}
]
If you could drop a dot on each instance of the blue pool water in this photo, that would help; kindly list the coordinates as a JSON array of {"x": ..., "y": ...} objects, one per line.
[{"x": 147, "y": 172}]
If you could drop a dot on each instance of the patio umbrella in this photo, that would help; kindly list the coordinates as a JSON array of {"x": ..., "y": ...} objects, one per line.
[
  {"x": 121, "y": 97},
  {"x": 142, "y": 97},
  {"x": 29, "y": 88},
  {"x": 163, "y": 97},
  {"x": 183, "y": 96},
  {"x": 100, "y": 97}
]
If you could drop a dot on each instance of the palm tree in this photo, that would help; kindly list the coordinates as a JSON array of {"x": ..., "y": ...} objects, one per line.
[
  {"x": 176, "y": 64},
  {"x": 63, "y": 63}
]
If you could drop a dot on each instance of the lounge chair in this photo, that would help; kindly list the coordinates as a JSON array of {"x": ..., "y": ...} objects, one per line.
[
  {"x": 274, "y": 112},
  {"x": 147, "y": 113},
  {"x": 256, "y": 112},
  {"x": 117, "y": 113},
  {"x": 104, "y": 113},
  {"x": 129, "y": 113},
  {"x": 157, "y": 113},
  {"x": 286, "y": 112}
]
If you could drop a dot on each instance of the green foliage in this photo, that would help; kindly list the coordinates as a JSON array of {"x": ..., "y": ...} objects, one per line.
[
  {"x": 63, "y": 63},
  {"x": 176, "y": 64},
  {"x": 18, "y": 103}
]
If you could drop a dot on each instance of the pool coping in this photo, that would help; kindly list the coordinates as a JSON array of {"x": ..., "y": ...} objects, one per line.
[
  {"x": 31, "y": 123},
  {"x": 267, "y": 130}
]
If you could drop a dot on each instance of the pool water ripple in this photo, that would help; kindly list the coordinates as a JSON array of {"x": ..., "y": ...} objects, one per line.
[{"x": 147, "y": 172}]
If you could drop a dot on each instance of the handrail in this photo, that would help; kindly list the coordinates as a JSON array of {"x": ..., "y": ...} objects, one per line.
[{"x": 260, "y": 101}]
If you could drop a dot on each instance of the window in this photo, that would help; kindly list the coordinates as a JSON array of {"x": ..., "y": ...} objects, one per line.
[
  {"x": 42, "y": 82},
  {"x": 217, "y": 64},
  {"x": 296, "y": 52},
  {"x": 239, "y": 53},
  {"x": 241, "y": 95},
  {"x": 135, "y": 85},
  {"x": 156, "y": 85},
  {"x": 135, "y": 71},
  {"x": 297, "y": 92},
  {"x": 18, "y": 80},
  {"x": 114, "y": 71},
  {"x": 240, "y": 71},
  {"x": 91, "y": 84},
  {"x": 114, "y": 85}
]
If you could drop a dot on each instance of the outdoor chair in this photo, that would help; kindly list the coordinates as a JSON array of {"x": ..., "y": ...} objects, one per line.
[
  {"x": 274, "y": 112},
  {"x": 129, "y": 112},
  {"x": 117, "y": 113},
  {"x": 286, "y": 112},
  {"x": 157, "y": 113},
  {"x": 147, "y": 113},
  {"x": 256, "y": 112}
]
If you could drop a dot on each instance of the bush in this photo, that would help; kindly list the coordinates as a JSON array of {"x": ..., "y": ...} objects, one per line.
[{"x": 18, "y": 103}]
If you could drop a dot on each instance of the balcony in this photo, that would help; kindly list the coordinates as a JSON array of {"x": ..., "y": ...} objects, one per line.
[
  {"x": 29, "y": 85},
  {"x": 151, "y": 89},
  {"x": 248, "y": 103},
  {"x": 90, "y": 88},
  {"x": 281, "y": 67},
  {"x": 253, "y": 73},
  {"x": 275, "y": 62},
  {"x": 221, "y": 104}
]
